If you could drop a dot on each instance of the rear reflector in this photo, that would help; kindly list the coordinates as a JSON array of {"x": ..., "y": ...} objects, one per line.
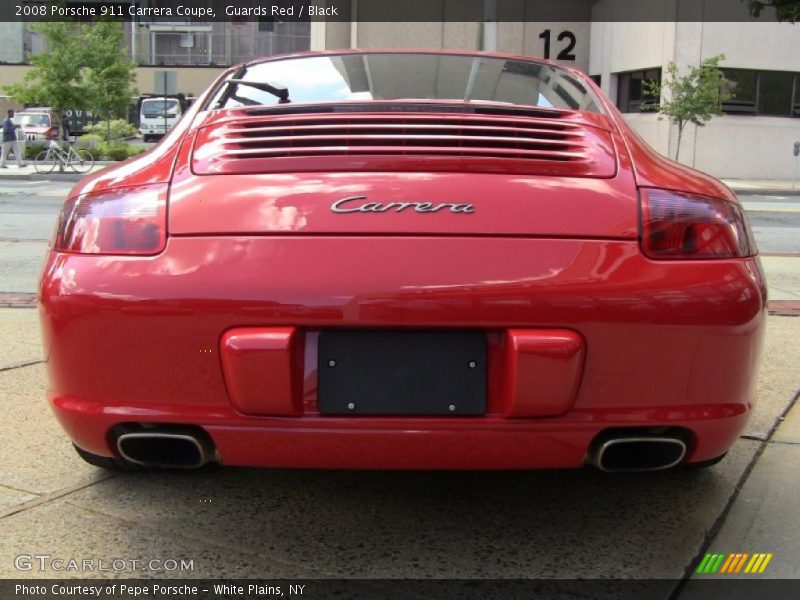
[
  {"x": 127, "y": 221},
  {"x": 681, "y": 226}
]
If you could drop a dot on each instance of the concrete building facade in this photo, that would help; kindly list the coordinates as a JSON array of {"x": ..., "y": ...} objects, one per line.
[{"x": 753, "y": 139}]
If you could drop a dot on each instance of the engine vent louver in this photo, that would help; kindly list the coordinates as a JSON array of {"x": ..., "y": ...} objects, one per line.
[{"x": 367, "y": 141}]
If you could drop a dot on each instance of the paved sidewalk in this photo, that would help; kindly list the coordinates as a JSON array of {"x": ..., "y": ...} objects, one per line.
[
  {"x": 761, "y": 517},
  {"x": 783, "y": 277}
]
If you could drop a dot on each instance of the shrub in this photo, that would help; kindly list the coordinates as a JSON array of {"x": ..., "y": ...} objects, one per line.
[
  {"x": 119, "y": 128},
  {"x": 113, "y": 150},
  {"x": 116, "y": 150},
  {"x": 32, "y": 149},
  {"x": 90, "y": 141}
]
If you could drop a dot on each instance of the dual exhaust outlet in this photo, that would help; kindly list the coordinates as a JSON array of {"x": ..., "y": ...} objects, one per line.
[
  {"x": 631, "y": 453},
  {"x": 172, "y": 448},
  {"x": 191, "y": 448}
]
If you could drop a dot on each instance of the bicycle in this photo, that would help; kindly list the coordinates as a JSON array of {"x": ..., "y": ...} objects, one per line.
[{"x": 80, "y": 161}]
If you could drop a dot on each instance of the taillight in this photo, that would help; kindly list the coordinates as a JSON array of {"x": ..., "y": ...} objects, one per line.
[
  {"x": 127, "y": 221},
  {"x": 677, "y": 225},
  {"x": 52, "y": 133}
]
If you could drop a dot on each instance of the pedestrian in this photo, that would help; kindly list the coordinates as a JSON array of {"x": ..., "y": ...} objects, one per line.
[{"x": 10, "y": 141}]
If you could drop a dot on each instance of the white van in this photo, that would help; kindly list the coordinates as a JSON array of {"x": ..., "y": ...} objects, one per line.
[{"x": 157, "y": 115}]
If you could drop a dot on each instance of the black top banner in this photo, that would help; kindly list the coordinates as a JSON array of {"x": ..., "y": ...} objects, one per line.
[{"x": 210, "y": 11}]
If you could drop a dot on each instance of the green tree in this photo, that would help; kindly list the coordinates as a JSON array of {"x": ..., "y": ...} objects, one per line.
[
  {"x": 785, "y": 10},
  {"x": 55, "y": 78},
  {"x": 85, "y": 67},
  {"x": 109, "y": 75},
  {"x": 695, "y": 97}
]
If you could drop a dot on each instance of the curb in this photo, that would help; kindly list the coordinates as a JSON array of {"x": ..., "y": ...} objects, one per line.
[
  {"x": 42, "y": 177},
  {"x": 55, "y": 176},
  {"x": 17, "y": 300},
  {"x": 784, "y": 308},
  {"x": 766, "y": 191},
  {"x": 58, "y": 176}
]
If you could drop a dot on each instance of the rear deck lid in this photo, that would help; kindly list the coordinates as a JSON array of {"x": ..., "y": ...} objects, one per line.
[
  {"x": 404, "y": 143},
  {"x": 428, "y": 172}
]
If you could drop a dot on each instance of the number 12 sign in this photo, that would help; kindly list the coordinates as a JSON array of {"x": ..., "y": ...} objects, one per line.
[
  {"x": 567, "y": 51},
  {"x": 564, "y": 42}
]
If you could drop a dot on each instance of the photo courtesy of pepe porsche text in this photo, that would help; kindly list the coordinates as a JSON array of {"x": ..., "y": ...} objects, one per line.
[{"x": 122, "y": 590}]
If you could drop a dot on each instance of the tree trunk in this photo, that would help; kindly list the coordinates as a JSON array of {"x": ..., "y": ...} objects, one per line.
[
  {"x": 678, "y": 145},
  {"x": 61, "y": 135}
]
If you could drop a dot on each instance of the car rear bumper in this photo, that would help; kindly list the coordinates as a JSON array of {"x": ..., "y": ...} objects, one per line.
[
  {"x": 406, "y": 443},
  {"x": 143, "y": 340},
  {"x": 156, "y": 129}
]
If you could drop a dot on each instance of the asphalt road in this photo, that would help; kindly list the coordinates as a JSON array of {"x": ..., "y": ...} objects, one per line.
[
  {"x": 29, "y": 210},
  {"x": 775, "y": 221},
  {"x": 272, "y": 523}
]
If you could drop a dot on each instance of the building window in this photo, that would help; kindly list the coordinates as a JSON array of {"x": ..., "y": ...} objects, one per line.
[
  {"x": 215, "y": 44},
  {"x": 743, "y": 86},
  {"x": 772, "y": 93},
  {"x": 630, "y": 95},
  {"x": 796, "y": 103}
]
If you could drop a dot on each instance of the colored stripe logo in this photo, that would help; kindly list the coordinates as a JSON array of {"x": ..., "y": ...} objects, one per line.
[{"x": 734, "y": 563}]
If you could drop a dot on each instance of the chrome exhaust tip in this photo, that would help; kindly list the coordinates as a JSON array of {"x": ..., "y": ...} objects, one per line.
[
  {"x": 166, "y": 449},
  {"x": 636, "y": 454}
]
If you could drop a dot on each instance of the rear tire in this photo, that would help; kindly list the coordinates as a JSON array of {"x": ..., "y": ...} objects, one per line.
[
  {"x": 82, "y": 162},
  {"x": 107, "y": 462},
  {"x": 44, "y": 162}
]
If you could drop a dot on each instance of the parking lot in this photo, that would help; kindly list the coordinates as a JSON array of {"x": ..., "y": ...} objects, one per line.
[{"x": 232, "y": 522}]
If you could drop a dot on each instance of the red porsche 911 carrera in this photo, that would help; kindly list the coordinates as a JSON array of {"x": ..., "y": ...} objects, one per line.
[{"x": 402, "y": 260}]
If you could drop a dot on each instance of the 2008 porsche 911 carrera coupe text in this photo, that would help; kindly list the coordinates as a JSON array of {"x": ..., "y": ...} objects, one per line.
[{"x": 403, "y": 260}]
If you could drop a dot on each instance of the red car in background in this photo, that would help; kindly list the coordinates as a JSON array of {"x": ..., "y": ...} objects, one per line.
[
  {"x": 402, "y": 260},
  {"x": 39, "y": 124}
]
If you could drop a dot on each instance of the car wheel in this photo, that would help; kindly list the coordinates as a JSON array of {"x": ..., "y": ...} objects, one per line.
[
  {"x": 704, "y": 464},
  {"x": 107, "y": 462}
]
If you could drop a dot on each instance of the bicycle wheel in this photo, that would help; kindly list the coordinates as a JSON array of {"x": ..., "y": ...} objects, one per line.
[
  {"x": 81, "y": 160},
  {"x": 45, "y": 162}
]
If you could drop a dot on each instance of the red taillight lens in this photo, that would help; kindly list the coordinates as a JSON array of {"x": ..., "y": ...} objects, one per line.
[
  {"x": 676, "y": 225},
  {"x": 128, "y": 221},
  {"x": 52, "y": 133}
]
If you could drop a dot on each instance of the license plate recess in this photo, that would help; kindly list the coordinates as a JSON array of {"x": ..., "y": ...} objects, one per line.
[{"x": 402, "y": 373}]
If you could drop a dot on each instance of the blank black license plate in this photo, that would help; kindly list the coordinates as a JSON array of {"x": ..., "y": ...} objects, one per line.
[{"x": 402, "y": 373}]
